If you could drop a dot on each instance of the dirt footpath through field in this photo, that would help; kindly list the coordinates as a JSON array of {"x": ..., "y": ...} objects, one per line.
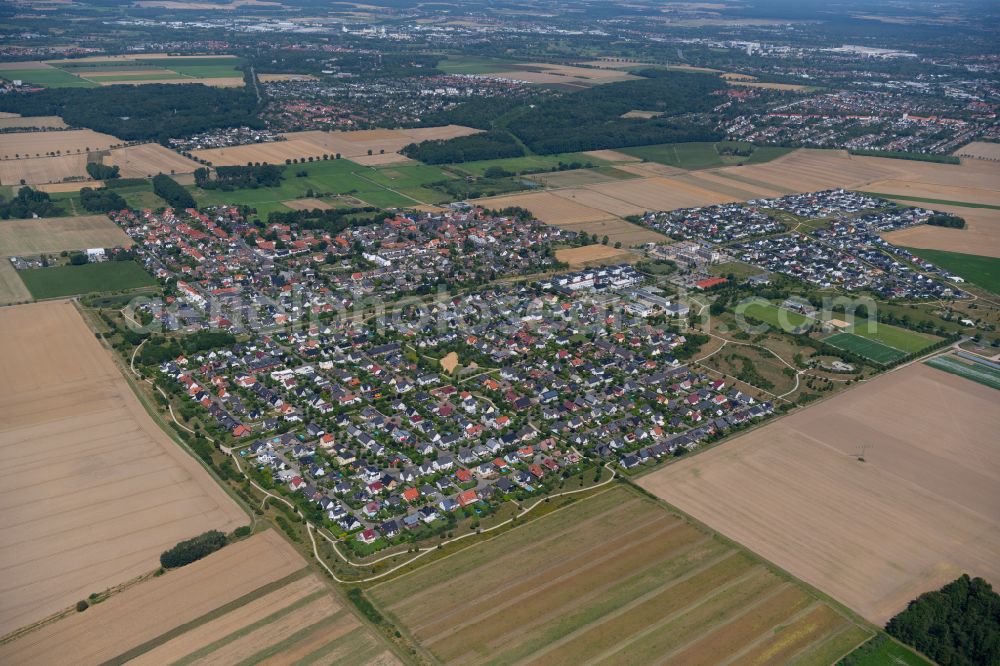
[{"x": 922, "y": 508}]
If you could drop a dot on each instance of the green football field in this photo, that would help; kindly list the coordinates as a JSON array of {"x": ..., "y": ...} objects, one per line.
[
  {"x": 870, "y": 349},
  {"x": 771, "y": 314},
  {"x": 893, "y": 336}
]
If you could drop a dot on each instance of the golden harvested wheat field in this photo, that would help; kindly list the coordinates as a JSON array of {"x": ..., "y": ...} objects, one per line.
[
  {"x": 560, "y": 208},
  {"x": 540, "y": 72},
  {"x": 928, "y": 189},
  {"x": 55, "y": 234},
  {"x": 147, "y": 160},
  {"x": 590, "y": 206},
  {"x": 981, "y": 235},
  {"x": 591, "y": 255},
  {"x": 922, "y": 509},
  {"x": 612, "y": 579},
  {"x": 12, "y": 289},
  {"x": 37, "y": 170},
  {"x": 980, "y": 149},
  {"x": 92, "y": 490},
  {"x": 44, "y": 122},
  {"x": 249, "y": 601},
  {"x": 36, "y": 144},
  {"x": 317, "y": 143},
  {"x": 547, "y": 206}
]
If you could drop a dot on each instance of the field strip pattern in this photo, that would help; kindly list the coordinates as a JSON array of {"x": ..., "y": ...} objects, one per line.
[
  {"x": 982, "y": 374},
  {"x": 890, "y": 523},
  {"x": 254, "y": 611},
  {"x": 611, "y": 579},
  {"x": 93, "y": 490},
  {"x": 123, "y": 622}
]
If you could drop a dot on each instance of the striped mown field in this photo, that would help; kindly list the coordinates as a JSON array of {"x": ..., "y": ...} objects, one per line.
[
  {"x": 252, "y": 602},
  {"x": 613, "y": 579}
]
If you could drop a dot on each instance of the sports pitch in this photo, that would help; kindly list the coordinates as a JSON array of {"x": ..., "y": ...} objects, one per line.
[{"x": 870, "y": 349}]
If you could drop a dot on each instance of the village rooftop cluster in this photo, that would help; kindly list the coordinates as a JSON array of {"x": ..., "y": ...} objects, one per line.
[
  {"x": 369, "y": 427},
  {"x": 868, "y": 120},
  {"x": 232, "y": 275},
  {"x": 845, "y": 250}
]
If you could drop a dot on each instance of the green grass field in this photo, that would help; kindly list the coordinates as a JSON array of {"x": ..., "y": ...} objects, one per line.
[
  {"x": 410, "y": 180},
  {"x": 73, "y": 280},
  {"x": 206, "y": 71},
  {"x": 981, "y": 271},
  {"x": 47, "y": 78},
  {"x": 135, "y": 77},
  {"x": 473, "y": 65},
  {"x": 882, "y": 650},
  {"x": 137, "y": 196},
  {"x": 528, "y": 162},
  {"x": 69, "y": 75},
  {"x": 977, "y": 372},
  {"x": 389, "y": 187},
  {"x": 870, "y": 349},
  {"x": 700, "y": 155},
  {"x": 893, "y": 336},
  {"x": 739, "y": 270},
  {"x": 781, "y": 318}
]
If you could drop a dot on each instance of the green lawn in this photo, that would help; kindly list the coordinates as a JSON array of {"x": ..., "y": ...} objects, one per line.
[
  {"x": 333, "y": 177},
  {"x": 981, "y": 271},
  {"x": 410, "y": 180},
  {"x": 739, "y": 269},
  {"x": 882, "y": 650},
  {"x": 528, "y": 162},
  {"x": 474, "y": 65},
  {"x": 893, "y": 336},
  {"x": 134, "y": 77},
  {"x": 46, "y": 77},
  {"x": 977, "y": 372},
  {"x": 700, "y": 155},
  {"x": 136, "y": 196},
  {"x": 73, "y": 280},
  {"x": 781, "y": 318},
  {"x": 870, "y": 349},
  {"x": 207, "y": 71}
]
